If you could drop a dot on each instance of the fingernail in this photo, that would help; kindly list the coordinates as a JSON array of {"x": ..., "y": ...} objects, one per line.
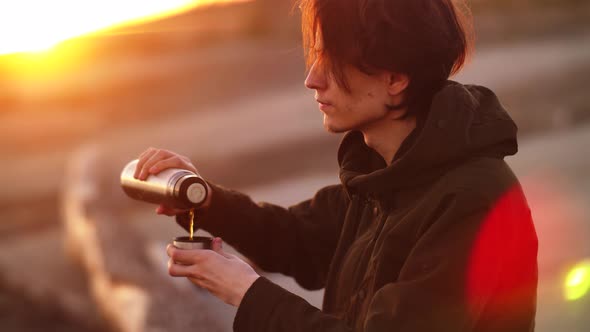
[{"x": 153, "y": 169}]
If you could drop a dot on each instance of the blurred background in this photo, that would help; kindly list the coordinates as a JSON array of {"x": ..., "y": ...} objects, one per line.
[{"x": 86, "y": 86}]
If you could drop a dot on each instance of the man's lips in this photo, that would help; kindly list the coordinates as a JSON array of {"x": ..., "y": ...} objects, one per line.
[{"x": 323, "y": 103}]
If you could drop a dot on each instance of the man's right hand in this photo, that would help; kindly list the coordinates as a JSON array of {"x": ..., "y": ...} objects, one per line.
[
  {"x": 153, "y": 161},
  {"x": 169, "y": 211}
]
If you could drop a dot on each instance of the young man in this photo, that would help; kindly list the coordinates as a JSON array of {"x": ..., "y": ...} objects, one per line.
[{"x": 428, "y": 230}]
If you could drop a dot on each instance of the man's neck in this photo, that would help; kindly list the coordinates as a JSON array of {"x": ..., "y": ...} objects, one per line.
[{"x": 387, "y": 135}]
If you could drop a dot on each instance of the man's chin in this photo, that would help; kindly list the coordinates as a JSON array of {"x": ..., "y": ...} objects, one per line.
[
  {"x": 332, "y": 127},
  {"x": 335, "y": 129}
]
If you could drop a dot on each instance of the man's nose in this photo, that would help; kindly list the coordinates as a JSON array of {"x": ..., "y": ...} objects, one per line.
[{"x": 316, "y": 79}]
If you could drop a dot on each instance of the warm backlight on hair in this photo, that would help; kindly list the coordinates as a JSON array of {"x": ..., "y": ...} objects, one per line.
[
  {"x": 33, "y": 25},
  {"x": 577, "y": 282}
]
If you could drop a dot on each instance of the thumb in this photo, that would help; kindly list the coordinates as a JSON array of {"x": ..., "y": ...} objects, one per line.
[
  {"x": 171, "y": 212},
  {"x": 217, "y": 246}
]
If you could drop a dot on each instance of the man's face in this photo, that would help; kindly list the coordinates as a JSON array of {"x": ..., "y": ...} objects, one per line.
[{"x": 358, "y": 109}]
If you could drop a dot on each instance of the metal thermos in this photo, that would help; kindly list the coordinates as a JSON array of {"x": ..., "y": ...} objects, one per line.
[{"x": 173, "y": 187}]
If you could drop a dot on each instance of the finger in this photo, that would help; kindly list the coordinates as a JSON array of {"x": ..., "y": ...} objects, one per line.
[
  {"x": 185, "y": 256},
  {"x": 185, "y": 158},
  {"x": 189, "y": 164},
  {"x": 144, "y": 172},
  {"x": 172, "y": 162},
  {"x": 146, "y": 152},
  {"x": 198, "y": 282},
  {"x": 142, "y": 159},
  {"x": 217, "y": 246},
  {"x": 179, "y": 270},
  {"x": 162, "y": 209}
]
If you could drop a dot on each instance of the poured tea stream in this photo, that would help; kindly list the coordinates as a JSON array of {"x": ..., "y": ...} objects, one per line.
[{"x": 192, "y": 223}]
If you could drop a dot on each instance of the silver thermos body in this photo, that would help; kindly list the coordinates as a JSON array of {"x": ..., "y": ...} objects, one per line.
[{"x": 173, "y": 187}]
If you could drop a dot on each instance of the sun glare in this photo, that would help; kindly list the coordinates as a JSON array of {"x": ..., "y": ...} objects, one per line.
[{"x": 32, "y": 25}]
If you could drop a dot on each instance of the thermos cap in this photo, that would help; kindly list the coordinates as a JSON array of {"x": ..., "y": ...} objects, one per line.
[{"x": 196, "y": 193}]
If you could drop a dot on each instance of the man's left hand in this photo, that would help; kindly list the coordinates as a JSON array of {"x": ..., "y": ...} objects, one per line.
[{"x": 224, "y": 275}]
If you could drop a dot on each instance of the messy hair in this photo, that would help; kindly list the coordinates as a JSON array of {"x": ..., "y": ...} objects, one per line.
[{"x": 428, "y": 40}]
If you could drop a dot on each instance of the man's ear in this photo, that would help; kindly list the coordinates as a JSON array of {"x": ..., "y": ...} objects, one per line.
[{"x": 397, "y": 83}]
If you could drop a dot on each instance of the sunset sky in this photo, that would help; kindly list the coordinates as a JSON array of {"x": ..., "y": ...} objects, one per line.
[{"x": 36, "y": 25}]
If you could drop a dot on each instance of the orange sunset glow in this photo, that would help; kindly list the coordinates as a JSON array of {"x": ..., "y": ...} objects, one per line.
[{"x": 32, "y": 26}]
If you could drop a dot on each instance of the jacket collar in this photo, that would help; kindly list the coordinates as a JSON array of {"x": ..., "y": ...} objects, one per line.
[{"x": 462, "y": 122}]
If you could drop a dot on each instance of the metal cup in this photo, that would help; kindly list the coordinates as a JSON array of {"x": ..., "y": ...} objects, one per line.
[{"x": 198, "y": 242}]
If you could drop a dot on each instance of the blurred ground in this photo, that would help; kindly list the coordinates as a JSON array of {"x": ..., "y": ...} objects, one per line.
[
  {"x": 240, "y": 111},
  {"x": 32, "y": 299}
]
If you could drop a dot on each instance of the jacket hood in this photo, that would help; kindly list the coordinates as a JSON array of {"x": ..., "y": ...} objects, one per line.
[{"x": 463, "y": 122}]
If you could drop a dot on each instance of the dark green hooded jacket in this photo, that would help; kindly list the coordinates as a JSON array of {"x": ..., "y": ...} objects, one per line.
[{"x": 440, "y": 240}]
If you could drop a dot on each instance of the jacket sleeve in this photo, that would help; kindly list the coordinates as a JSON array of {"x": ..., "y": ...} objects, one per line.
[
  {"x": 470, "y": 267},
  {"x": 298, "y": 241}
]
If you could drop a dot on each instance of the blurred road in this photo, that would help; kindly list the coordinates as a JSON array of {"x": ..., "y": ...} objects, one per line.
[{"x": 288, "y": 117}]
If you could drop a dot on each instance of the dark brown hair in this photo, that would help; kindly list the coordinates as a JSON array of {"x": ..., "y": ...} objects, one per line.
[{"x": 429, "y": 40}]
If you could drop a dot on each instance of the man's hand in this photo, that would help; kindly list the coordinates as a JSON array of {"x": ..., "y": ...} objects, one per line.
[
  {"x": 225, "y": 276},
  {"x": 153, "y": 161}
]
